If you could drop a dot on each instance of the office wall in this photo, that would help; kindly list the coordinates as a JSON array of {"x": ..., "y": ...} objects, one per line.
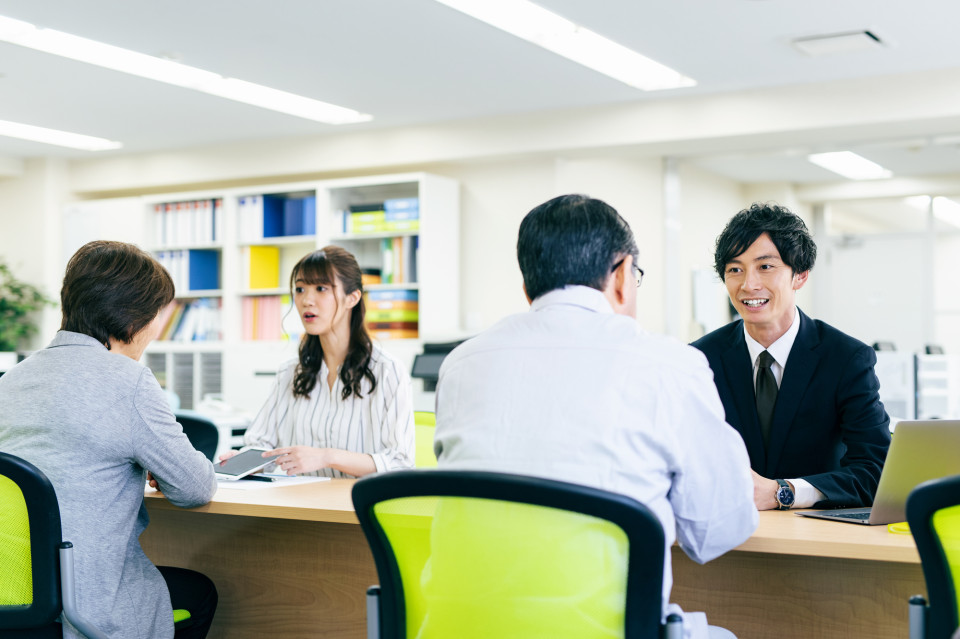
[
  {"x": 496, "y": 194},
  {"x": 707, "y": 202},
  {"x": 946, "y": 286},
  {"x": 31, "y": 233}
]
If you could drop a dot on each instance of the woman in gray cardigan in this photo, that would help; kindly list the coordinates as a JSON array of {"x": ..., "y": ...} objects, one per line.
[{"x": 95, "y": 420}]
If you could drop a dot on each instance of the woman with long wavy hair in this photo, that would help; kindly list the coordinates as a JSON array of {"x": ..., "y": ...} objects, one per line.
[{"x": 344, "y": 407}]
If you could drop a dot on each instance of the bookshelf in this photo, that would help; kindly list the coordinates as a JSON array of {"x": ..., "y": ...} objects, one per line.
[{"x": 254, "y": 236}]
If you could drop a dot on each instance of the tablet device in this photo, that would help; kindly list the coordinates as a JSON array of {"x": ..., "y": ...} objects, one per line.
[{"x": 242, "y": 464}]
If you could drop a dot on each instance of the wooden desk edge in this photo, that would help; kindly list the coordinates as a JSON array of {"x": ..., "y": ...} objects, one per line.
[
  {"x": 785, "y": 533},
  {"x": 778, "y": 533},
  {"x": 335, "y": 506}
]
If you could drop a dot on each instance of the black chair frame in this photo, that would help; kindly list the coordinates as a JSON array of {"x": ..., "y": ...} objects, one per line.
[
  {"x": 643, "y": 530},
  {"x": 938, "y": 616},
  {"x": 201, "y": 431},
  {"x": 51, "y": 558},
  {"x": 45, "y": 537}
]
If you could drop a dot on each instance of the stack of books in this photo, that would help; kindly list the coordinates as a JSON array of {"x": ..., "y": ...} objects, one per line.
[
  {"x": 192, "y": 321},
  {"x": 269, "y": 317},
  {"x": 398, "y": 257},
  {"x": 187, "y": 223},
  {"x": 393, "y": 314},
  {"x": 397, "y": 215}
]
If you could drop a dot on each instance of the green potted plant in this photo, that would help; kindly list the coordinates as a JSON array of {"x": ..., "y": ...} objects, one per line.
[{"x": 18, "y": 302}]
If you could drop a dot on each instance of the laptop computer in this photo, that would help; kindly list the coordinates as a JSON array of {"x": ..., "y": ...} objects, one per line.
[{"x": 919, "y": 451}]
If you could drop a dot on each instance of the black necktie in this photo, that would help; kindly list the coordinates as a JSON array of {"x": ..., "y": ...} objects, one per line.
[{"x": 766, "y": 394}]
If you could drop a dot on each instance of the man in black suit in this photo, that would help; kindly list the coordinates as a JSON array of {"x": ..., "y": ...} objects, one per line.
[{"x": 803, "y": 395}]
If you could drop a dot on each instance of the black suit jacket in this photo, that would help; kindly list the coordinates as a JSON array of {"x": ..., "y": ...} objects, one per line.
[{"x": 829, "y": 426}]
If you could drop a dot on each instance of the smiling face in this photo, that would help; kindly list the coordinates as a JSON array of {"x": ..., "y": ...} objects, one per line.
[{"x": 763, "y": 290}]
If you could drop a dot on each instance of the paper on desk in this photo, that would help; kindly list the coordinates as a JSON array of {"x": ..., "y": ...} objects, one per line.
[{"x": 278, "y": 480}]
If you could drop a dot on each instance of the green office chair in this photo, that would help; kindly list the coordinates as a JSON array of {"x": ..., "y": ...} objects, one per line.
[
  {"x": 426, "y": 425},
  {"x": 476, "y": 555},
  {"x": 36, "y": 563},
  {"x": 933, "y": 512}
]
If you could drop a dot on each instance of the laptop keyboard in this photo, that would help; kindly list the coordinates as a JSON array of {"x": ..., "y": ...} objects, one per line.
[{"x": 857, "y": 516}]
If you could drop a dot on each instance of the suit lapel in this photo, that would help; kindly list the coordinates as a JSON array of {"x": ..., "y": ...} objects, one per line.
[
  {"x": 801, "y": 365},
  {"x": 739, "y": 372}
]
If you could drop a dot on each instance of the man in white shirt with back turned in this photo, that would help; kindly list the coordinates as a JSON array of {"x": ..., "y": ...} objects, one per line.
[{"x": 575, "y": 390}]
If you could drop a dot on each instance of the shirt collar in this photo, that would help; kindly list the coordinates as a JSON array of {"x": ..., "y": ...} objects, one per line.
[
  {"x": 581, "y": 296},
  {"x": 780, "y": 349},
  {"x": 69, "y": 338}
]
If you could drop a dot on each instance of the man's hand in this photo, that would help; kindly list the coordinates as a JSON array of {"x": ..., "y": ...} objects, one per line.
[
  {"x": 151, "y": 481},
  {"x": 764, "y": 492}
]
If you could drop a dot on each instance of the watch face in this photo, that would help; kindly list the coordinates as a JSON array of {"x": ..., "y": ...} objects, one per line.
[{"x": 784, "y": 496}]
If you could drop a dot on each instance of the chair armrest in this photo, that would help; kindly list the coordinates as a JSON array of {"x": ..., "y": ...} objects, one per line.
[
  {"x": 373, "y": 612},
  {"x": 69, "y": 594}
]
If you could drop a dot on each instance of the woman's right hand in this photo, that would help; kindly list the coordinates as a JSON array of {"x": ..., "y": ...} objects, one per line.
[{"x": 227, "y": 455}]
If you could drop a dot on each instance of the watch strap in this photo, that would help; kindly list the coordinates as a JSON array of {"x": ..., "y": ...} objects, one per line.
[{"x": 783, "y": 485}]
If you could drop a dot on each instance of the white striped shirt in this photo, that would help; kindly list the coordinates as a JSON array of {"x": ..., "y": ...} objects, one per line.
[{"x": 379, "y": 424}]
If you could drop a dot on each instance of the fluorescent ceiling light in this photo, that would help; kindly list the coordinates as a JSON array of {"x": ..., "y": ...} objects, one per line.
[
  {"x": 555, "y": 33},
  {"x": 946, "y": 210},
  {"x": 59, "y": 138},
  {"x": 170, "y": 72},
  {"x": 850, "y": 165}
]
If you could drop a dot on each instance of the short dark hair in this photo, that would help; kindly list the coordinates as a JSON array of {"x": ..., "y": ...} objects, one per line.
[
  {"x": 113, "y": 289},
  {"x": 571, "y": 239},
  {"x": 785, "y": 228}
]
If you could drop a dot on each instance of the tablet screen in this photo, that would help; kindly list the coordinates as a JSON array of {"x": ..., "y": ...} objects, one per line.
[{"x": 243, "y": 463}]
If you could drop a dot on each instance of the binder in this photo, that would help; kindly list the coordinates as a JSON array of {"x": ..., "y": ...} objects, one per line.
[
  {"x": 394, "y": 294},
  {"x": 272, "y": 214},
  {"x": 262, "y": 266},
  {"x": 393, "y": 315},
  {"x": 401, "y": 208},
  {"x": 293, "y": 216},
  {"x": 203, "y": 269},
  {"x": 387, "y": 305}
]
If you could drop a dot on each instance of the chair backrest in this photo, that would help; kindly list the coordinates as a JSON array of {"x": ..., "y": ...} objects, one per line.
[
  {"x": 201, "y": 431},
  {"x": 425, "y": 423},
  {"x": 29, "y": 537},
  {"x": 478, "y": 554},
  {"x": 933, "y": 512}
]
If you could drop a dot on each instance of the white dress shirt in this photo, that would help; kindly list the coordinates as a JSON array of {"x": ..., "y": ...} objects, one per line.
[
  {"x": 805, "y": 495},
  {"x": 379, "y": 423},
  {"x": 575, "y": 392}
]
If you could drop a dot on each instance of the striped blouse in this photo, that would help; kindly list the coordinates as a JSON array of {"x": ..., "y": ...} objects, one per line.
[{"x": 379, "y": 424}]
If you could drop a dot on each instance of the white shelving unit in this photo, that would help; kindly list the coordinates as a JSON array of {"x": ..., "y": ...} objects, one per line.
[{"x": 247, "y": 367}]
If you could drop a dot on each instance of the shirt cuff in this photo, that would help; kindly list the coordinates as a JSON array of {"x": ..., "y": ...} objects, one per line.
[
  {"x": 804, "y": 494},
  {"x": 379, "y": 462}
]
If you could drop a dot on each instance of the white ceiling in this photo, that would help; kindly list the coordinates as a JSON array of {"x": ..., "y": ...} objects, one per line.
[{"x": 415, "y": 61}]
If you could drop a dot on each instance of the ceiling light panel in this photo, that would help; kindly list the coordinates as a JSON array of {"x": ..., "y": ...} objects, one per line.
[
  {"x": 55, "y": 137},
  {"x": 555, "y": 33},
  {"x": 145, "y": 66},
  {"x": 850, "y": 165}
]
